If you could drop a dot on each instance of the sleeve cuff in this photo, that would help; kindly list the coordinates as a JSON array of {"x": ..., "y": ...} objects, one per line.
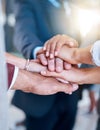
[
  {"x": 35, "y": 51},
  {"x": 95, "y": 52},
  {"x": 14, "y": 77}
]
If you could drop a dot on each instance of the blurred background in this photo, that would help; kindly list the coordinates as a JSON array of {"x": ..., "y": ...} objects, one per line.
[{"x": 84, "y": 25}]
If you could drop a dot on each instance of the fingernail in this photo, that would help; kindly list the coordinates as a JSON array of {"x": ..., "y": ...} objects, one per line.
[
  {"x": 56, "y": 53},
  {"x": 70, "y": 93},
  {"x": 51, "y": 56},
  {"x": 43, "y": 72},
  {"x": 75, "y": 87},
  {"x": 47, "y": 53}
]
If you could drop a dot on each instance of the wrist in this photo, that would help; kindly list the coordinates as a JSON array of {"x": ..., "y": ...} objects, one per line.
[
  {"x": 68, "y": 54},
  {"x": 84, "y": 76},
  {"x": 76, "y": 56},
  {"x": 95, "y": 53},
  {"x": 83, "y": 55},
  {"x": 89, "y": 75}
]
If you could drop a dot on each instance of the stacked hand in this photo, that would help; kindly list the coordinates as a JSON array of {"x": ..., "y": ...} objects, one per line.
[
  {"x": 61, "y": 55},
  {"x": 56, "y": 68}
]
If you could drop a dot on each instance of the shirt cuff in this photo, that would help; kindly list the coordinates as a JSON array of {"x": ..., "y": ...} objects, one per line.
[
  {"x": 14, "y": 77},
  {"x": 95, "y": 52},
  {"x": 35, "y": 51}
]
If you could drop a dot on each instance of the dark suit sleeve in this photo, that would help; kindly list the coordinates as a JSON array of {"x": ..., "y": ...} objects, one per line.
[
  {"x": 10, "y": 71},
  {"x": 25, "y": 38}
]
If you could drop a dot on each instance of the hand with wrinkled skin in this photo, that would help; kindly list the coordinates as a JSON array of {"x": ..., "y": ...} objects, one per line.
[
  {"x": 34, "y": 82},
  {"x": 38, "y": 84}
]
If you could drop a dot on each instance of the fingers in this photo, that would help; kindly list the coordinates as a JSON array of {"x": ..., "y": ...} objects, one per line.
[
  {"x": 47, "y": 48},
  {"x": 67, "y": 66},
  {"x": 70, "y": 41},
  {"x": 55, "y": 64},
  {"x": 68, "y": 88},
  {"x": 50, "y": 46},
  {"x": 53, "y": 46},
  {"x": 48, "y": 73},
  {"x": 59, "y": 65},
  {"x": 51, "y": 64},
  {"x": 43, "y": 59},
  {"x": 62, "y": 80},
  {"x": 75, "y": 86}
]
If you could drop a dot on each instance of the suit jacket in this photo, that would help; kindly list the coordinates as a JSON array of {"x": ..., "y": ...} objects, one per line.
[
  {"x": 10, "y": 70},
  {"x": 36, "y": 22}
]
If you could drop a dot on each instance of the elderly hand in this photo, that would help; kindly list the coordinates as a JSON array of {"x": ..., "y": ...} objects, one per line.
[{"x": 38, "y": 84}]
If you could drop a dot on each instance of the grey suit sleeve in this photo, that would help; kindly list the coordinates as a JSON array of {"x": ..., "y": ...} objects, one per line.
[{"x": 25, "y": 38}]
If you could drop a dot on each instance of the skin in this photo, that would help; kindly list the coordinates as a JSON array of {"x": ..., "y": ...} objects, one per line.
[
  {"x": 34, "y": 66},
  {"x": 52, "y": 48},
  {"x": 53, "y": 45},
  {"x": 70, "y": 56},
  {"x": 77, "y": 75},
  {"x": 55, "y": 64},
  {"x": 38, "y": 84},
  {"x": 34, "y": 82},
  {"x": 75, "y": 56}
]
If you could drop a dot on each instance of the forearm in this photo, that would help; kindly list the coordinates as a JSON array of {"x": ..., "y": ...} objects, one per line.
[
  {"x": 91, "y": 76},
  {"x": 76, "y": 55},
  {"x": 83, "y": 55},
  {"x": 22, "y": 81},
  {"x": 19, "y": 62}
]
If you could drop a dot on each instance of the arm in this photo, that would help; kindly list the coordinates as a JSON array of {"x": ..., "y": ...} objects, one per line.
[
  {"x": 25, "y": 38},
  {"x": 92, "y": 75},
  {"x": 33, "y": 66},
  {"x": 14, "y": 60},
  {"x": 54, "y": 44},
  {"x": 76, "y": 55},
  {"x": 29, "y": 82},
  {"x": 38, "y": 84},
  {"x": 77, "y": 75}
]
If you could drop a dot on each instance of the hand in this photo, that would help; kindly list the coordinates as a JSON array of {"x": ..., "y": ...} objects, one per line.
[
  {"x": 35, "y": 66},
  {"x": 53, "y": 45},
  {"x": 56, "y": 64},
  {"x": 74, "y": 75},
  {"x": 38, "y": 84}
]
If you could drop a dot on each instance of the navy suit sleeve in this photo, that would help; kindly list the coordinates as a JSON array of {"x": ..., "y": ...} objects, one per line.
[{"x": 25, "y": 38}]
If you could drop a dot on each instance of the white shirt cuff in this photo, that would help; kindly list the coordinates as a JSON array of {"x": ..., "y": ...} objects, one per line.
[
  {"x": 14, "y": 77},
  {"x": 35, "y": 51},
  {"x": 95, "y": 52}
]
